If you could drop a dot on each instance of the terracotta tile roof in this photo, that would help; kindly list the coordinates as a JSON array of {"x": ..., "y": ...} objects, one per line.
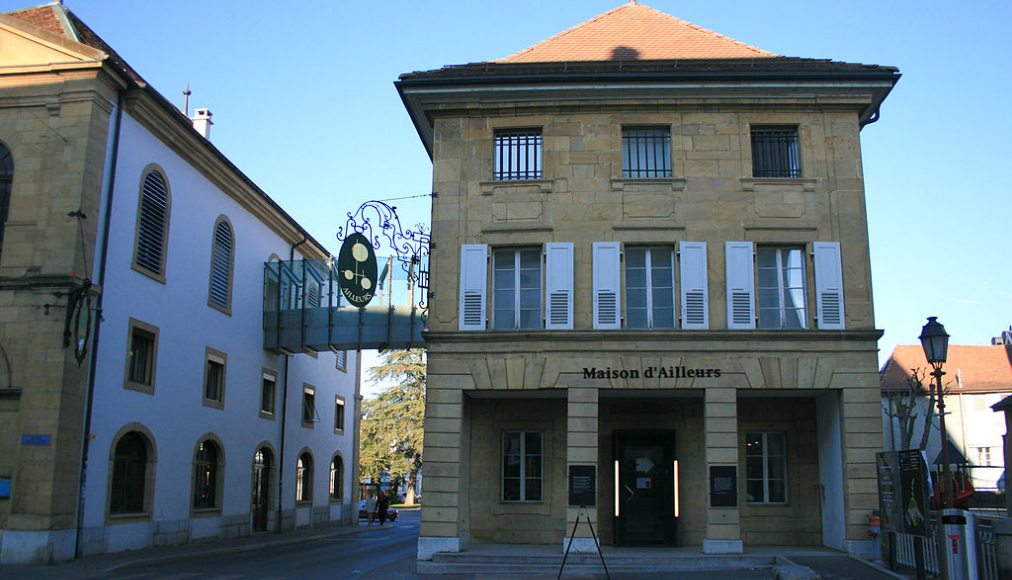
[
  {"x": 633, "y": 31},
  {"x": 979, "y": 369},
  {"x": 57, "y": 19},
  {"x": 45, "y": 17}
]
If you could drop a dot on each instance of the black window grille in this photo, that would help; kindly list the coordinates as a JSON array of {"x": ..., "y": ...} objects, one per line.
[
  {"x": 517, "y": 155},
  {"x": 6, "y": 180},
  {"x": 775, "y": 152},
  {"x": 205, "y": 484},
  {"x": 646, "y": 153},
  {"x": 129, "y": 469}
]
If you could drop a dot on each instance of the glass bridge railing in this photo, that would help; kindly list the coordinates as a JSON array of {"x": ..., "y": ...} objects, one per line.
[{"x": 304, "y": 308}]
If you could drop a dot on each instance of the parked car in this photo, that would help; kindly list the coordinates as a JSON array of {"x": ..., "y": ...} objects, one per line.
[{"x": 363, "y": 515}]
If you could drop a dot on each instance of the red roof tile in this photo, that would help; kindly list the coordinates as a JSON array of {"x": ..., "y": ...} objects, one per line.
[
  {"x": 44, "y": 17},
  {"x": 981, "y": 369},
  {"x": 633, "y": 31}
]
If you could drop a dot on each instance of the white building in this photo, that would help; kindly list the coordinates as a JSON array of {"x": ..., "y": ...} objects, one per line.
[{"x": 181, "y": 423}]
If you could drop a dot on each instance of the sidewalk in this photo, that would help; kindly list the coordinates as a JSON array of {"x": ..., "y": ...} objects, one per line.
[{"x": 105, "y": 565}]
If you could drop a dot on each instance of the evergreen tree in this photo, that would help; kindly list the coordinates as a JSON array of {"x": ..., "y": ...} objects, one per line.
[{"x": 392, "y": 424}]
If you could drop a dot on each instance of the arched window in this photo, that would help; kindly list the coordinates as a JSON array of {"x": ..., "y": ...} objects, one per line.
[
  {"x": 304, "y": 478},
  {"x": 222, "y": 252},
  {"x": 337, "y": 478},
  {"x": 6, "y": 180},
  {"x": 129, "y": 475},
  {"x": 205, "y": 475},
  {"x": 152, "y": 226}
]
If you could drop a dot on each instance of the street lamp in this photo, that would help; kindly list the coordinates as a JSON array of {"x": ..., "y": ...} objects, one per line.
[{"x": 935, "y": 343}]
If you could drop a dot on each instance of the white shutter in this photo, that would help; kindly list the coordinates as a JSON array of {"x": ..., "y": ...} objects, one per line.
[
  {"x": 606, "y": 287},
  {"x": 559, "y": 286},
  {"x": 828, "y": 285},
  {"x": 740, "y": 285},
  {"x": 473, "y": 280},
  {"x": 693, "y": 273}
]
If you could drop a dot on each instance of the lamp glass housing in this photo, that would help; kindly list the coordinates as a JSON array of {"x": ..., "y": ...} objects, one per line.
[{"x": 934, "y": 341}]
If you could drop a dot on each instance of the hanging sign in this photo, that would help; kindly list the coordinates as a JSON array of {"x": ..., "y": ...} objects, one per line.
[{"x": 356, "y": 266}]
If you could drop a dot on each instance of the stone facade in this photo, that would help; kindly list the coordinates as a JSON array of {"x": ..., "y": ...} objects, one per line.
[{"x": 815, "y": 387}]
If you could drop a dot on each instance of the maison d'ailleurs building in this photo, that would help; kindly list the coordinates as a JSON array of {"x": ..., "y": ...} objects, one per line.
[{"x": 651, "y": 264}]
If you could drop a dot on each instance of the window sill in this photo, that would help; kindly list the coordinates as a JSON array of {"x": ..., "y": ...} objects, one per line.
[
  {"x": 129, "y": 518},
  {"x": 518, "y": 185},
  {"x": 750, "y": 183},
  {"x": 220, "y": 405},
  {"x": 225, "y": 309},
  {"x": 156, "y": 276},
  {"x": 139, "y": 387},
  {"x": 266, "y": 415},
  {"x": 336, "y": 500},
  {"x": 648, "y": 184},
  {"x": 206, "y": 512}
]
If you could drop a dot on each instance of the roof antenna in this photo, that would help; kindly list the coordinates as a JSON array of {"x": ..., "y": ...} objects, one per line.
[{"x": 186, "y": 100}]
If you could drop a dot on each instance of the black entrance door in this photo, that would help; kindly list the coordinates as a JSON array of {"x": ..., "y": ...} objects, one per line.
[{"x": 646, "y": 502}]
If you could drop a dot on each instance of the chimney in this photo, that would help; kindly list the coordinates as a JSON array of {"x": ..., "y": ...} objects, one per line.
[{"x": 202, "y": 122}]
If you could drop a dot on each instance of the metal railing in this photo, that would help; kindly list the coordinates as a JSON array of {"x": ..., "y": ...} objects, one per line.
[{"x": 986, "y": 550}]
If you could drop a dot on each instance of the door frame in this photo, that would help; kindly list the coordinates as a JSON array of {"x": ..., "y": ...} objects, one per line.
[{"x": 665, "y": 438}]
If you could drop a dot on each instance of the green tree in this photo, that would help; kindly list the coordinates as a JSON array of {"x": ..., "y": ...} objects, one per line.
[{"x": 392, "y": 423}]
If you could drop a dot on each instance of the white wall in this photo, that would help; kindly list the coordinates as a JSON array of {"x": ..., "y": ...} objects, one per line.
[{"x": 175, "y": 414}]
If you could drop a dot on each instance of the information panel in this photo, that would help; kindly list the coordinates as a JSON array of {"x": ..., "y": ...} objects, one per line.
[
  {"x": 582, "y": 485},
  {"x": 903, "y": 491},
  {"x": 723, "y": 486}
]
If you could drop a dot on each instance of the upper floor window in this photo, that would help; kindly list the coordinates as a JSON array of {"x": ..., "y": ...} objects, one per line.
[
  {"x": 516, "y": 288},
  {"x": 338, "y": 414},
  {"x": 766, "y": 467},
  {"x": 650, "y": 287},
  {"x": 309, "y": 416},
  {"x": 783, "y": 282},
  {"x": 517, "y": 154},
  {"x": 152, "y": 226},
  {"x": 775, "y": 152},
  {"x": 6, "y": 181},
  {"x": 646, "y": 152},
  {"x": 782, "y": 287},
  {"x": 219, "y": 294},
  {"x": 268, "y": 393},
  {"x": 341, "y": 360},
  {"x": 142, "y": 351},
  {"x": 214, "y": 378},
  {"x": 522, "y": 473}
]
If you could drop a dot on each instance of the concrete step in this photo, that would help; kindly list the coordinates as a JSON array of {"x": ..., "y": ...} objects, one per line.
[{"x": 533, "y": 564}]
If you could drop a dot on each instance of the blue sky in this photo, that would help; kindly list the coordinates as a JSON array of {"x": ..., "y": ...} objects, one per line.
[{"x": 303, "y": 101}]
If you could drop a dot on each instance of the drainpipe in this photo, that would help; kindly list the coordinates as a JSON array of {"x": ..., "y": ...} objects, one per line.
[
  {"x": 109, "y": 179},
  {"x": 284, "y": 410}
]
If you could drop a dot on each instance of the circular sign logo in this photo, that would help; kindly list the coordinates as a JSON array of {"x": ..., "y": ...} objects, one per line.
[{"x": 356, "y": 270}]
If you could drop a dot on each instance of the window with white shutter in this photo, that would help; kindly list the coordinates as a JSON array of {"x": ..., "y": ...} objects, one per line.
[
  {"x": 828, "y": 285},
  {"x": 222, "y": 257},
  {"x": 473, "y": 284},
  {"x": 649, "y": 287},
  {"x": 607, "y": 278},
  {"x": 516, "y": 288},
  {"x": 740, "y": 285},
  {"x": 152, "y": 226},
  {"x": 695, "y": 296},
  {"x": 782, "y": 287},
  {"x": 559, "y": 285}
]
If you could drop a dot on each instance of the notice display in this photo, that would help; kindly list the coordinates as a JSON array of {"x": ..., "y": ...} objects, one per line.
[
  {"x": 723, "y": 486},
  {"x": 903, "y": 491},
  {"x": 582, "y": 485}
]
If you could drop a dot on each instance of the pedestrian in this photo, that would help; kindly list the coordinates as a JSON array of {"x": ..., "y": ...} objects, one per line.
[
  {"x": 382, "y": 503},
  {"x": 370, "y": 507}
]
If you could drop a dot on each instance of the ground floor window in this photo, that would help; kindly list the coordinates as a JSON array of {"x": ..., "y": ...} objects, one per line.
[
  {"x": 522, "y": 466},
  {"x": 129, "y": 475},
  {"x": 304, "y": 478},
  {"x": 205, "y": 476},
  {"x": 337, "y": 478},
  {"x": 766, "y": 467}
]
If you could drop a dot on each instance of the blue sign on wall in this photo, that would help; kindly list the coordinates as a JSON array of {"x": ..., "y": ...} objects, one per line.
[
  {"x": 31, "y": 439},
  {"x": 5, "y": 488}
]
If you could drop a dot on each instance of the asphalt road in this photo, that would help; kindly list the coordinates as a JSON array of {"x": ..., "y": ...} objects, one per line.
[{"x": 386, "y": 552}]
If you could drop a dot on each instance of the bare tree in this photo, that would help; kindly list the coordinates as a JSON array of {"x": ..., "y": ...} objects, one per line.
[{"x": 904, "y": 408}]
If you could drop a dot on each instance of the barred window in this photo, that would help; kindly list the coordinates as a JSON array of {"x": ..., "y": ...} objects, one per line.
[
  {"x": 646, "y": 152},
  {"x": 205, "y": 476},
  {"x": 152, "y": 225},
  {"x": 775, "y": 152},
  {"x": 517, "y": 155},
  {"x": 129, "y": 475},
  {"x": 222, "y": 253},
  {"x": 304, "y": 478},
  {"x": 337, "y": 478},
  {"x": 6, "y": 181}
]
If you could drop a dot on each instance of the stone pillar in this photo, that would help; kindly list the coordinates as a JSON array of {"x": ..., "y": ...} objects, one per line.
[
  {"x": 723, "y": 525},
  {"x": 581, "y": 449},
  {"x": 444, "y": 469},
  {"x": 862, "y": 439}
]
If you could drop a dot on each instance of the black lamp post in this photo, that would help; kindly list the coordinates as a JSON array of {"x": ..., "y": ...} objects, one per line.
[{"x": 935, "y": 343}]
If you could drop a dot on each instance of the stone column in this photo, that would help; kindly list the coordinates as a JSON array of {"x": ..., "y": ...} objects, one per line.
[
  {"x": 444, "y": 468},
  {"x": 723, "y": 524},
  {"x": 581, "y": 449},
  {"x": 862, "y": 439}
]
